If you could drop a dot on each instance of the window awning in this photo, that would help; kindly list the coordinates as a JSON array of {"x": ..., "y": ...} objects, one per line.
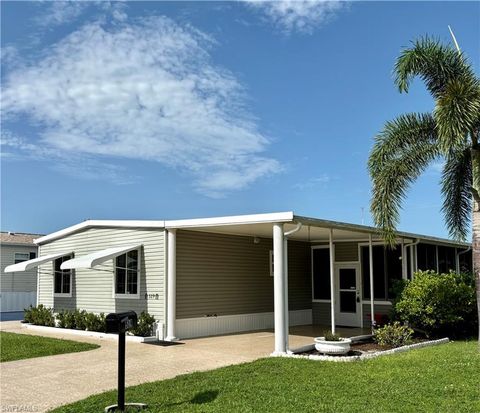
[
  {"x": 28, "y": 265},
  {"x": 98, "y": 257}
]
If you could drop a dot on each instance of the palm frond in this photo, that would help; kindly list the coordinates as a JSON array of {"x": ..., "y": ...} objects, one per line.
[
  {"x": 435, "y": 63},
  {"x": 457, "y": 192},
  {"x": 457, "y": 113},
  {"x": 400, "y": 154}
]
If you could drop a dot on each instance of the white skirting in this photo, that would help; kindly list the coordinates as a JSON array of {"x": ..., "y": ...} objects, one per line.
[
  {"x": 17, "y": 301},
  {"x": 210, "y": 326}
]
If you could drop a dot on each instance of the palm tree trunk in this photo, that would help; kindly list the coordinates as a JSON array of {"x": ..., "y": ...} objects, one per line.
[{"x": 476, "y": 226}]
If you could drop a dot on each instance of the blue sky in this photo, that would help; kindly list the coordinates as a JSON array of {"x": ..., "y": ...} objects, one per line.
[{"x": 160, "y": 110}]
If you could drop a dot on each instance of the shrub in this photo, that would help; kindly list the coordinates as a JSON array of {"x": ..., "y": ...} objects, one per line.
[
  {"x": 394, "y": 334},
  {"x": 95, "y": 322},
  {"x": 144, "y": 326},
  {"x": 438, "y": 304},
  {"x": 40, "y": 316},
  {"x": 329, "y": 336},
  {"x": 80, "y": 319}
]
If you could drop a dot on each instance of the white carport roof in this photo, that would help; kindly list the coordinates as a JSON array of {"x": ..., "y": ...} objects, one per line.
[
  {"x": 259, "y": 225},
  {"x": 28, "y": 265},
  {"x": 97, "y": 257}
]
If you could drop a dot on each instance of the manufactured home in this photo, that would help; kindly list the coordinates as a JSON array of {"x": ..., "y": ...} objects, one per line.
[
  {"x": 17, "y": 291},
  {"x": 223, "y": 275}
]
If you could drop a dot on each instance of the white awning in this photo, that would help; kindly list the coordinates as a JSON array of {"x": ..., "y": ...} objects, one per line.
[
  {"x": 95, "y": 258},
  {"x": 28, "y": 265}
]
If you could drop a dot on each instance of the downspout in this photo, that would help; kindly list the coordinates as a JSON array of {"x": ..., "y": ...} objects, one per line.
[
  {"x": 285, "y": 274},
  {"x": 457, "y": 263}
]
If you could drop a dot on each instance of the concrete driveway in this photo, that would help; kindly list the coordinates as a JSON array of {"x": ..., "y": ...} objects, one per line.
[{"x": 40, "y": 384}]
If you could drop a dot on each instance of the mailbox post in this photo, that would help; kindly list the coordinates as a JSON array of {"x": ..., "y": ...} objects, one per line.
[{"x": 120, "y": 323}]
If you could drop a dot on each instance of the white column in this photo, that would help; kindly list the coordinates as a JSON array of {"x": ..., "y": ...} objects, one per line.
[
  {"x": 171, "y": 283},
  {"x": 332, "y": 280},
  {"x": 279, "y": 289},
  {"x": 372, "y": 296},
  {"x": 285, "y": 272}
]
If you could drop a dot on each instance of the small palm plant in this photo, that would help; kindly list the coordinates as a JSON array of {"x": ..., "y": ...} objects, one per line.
[{"x": 408, "y": 144}]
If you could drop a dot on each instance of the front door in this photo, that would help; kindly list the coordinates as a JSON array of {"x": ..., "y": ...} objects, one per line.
[{"x": 347, "y": 299}]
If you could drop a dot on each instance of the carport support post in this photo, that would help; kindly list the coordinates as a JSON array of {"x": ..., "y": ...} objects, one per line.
[
  {"x": 332, "y": 279},
  {"x": 279, "y": 290},
  {"x": 370, "y": 261},
  {"x": 171, "y": 283}
]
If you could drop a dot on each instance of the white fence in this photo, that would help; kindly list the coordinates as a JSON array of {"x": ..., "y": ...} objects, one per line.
[{"x": 17, "y": 301}]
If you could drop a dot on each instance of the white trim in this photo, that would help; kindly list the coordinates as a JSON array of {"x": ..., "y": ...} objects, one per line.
[
  {"x": 126, "y": 295},
  {"x": 70, "y": 272},
  {"x": 99, "y": 223},
  {"x": 359, "y": 307},
  {"x": 228, "y": 324},
  {"x": 275, "y": 217}
]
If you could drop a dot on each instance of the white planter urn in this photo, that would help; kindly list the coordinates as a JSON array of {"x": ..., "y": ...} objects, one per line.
[{"x": 332, "y": 347}]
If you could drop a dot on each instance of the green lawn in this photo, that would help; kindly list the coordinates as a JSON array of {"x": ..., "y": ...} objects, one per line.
[
  {"x": 22, "y": 346},
  {"x": 435, "y": 379}
]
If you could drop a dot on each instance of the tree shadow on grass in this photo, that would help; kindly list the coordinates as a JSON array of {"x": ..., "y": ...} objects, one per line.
[{"x": 202, "y": 397}]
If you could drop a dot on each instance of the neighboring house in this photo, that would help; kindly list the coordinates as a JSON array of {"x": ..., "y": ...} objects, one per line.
[
  {"x": 222, "y": 275},
  {"x": 17, "y": 290}
]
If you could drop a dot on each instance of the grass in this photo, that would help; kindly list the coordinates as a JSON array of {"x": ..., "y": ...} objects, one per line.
[
  {"x": 444, "y": 378},
  {"x": 22, "y": 346}
]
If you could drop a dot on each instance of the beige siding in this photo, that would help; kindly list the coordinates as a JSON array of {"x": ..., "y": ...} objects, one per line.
[
  {"x": 19, "y": 281},
  {"x": 346, "y": 251},
  {"x": 226, "y": 275},
  {"x": 321, "y": 313},
  {"x": 93, "y": 288}
]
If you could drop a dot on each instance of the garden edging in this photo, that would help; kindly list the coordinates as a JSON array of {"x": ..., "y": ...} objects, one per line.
[
  {"x": 294, "y": 354},
  {"x": 96, "y": 334}
]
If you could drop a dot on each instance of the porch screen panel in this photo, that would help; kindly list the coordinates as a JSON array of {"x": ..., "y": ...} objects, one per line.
[
  {"x": 446, "y": 259},
  {"x": 465, "y": 261},
  {"x": 321, "y": 273},
  {"x": 426, "y": 257},
  {"x": 393, "y": 258},
  {"x": 379, "y": 267}
]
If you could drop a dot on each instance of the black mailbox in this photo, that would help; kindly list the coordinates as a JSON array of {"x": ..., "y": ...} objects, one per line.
[{"x": 121, "y": 322}]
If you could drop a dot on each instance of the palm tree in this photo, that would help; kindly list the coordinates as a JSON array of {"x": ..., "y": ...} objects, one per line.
[{"x": 451, "y": 133}]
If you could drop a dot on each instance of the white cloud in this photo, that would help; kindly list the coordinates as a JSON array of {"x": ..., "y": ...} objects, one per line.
[
  {"x": 60, "y": 12},
  {"x": 298, "y": 15},
  {"x": 145, "y": 91},
  {"x": 321, "y": 180}
]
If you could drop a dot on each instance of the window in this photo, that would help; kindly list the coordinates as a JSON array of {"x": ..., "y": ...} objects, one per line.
[
  {"x": 427, "y": 257},
  {"x": 62, "y": 278},
  {"x": 321, "y": 273},
  {"x": 24, "y": 256},
  {"x": 126, "y": 275},
  {"x": 387, "y": 268}
]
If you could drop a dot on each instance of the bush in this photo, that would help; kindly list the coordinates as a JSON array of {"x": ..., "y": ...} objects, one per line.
[
  {"x": 144, "y": 326},
  {"x": 329, "y": 336},
  {"x": 40, "y": 316},
  {"x": 80, "y": 319},
  {"x": 394, "y": 335},
  {"x": 66, "y": 319},
  {"x": 95, "y": 322},
  {"x": 439, "y": 304}
]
